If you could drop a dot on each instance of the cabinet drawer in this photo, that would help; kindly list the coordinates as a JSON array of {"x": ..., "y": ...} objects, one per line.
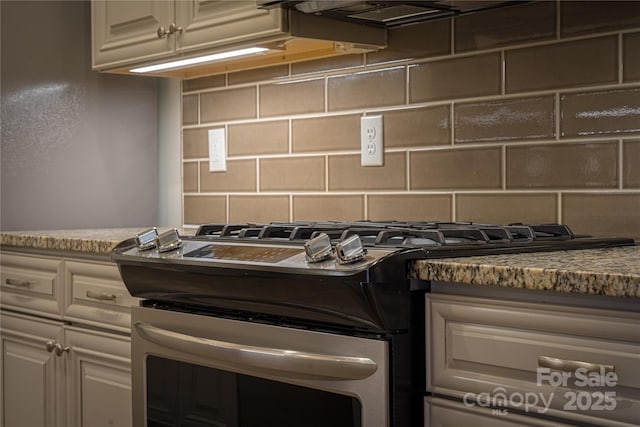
[
  {"x": 31, "y": 283},
  {"x": 96, "y": 295},
  {"x": 449, "y": 413},
  {"x": 497, "y": 351}
]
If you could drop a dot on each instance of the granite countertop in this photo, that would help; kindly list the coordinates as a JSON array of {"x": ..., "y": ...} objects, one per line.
[
  {"x": 611, "y": 271},
  {"x": 98, "y": 241}
]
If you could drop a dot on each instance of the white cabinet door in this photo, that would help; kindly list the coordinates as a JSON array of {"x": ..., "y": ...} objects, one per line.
[
  {"x": 32, "y": 377},
  {"x": 99, "y": 378},
  {"x": 221, "y": 22},
  {"x": 127, "y": 31}
]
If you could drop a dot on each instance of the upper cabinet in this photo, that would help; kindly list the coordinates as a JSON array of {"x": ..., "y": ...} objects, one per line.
[{"x": 128, "y": 34}]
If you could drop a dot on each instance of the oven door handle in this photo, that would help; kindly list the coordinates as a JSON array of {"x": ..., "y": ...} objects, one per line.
[{"x": 287, "y": 363}]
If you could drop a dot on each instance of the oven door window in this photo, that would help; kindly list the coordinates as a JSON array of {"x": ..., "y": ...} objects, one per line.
[{"x": 184, "y": 394}]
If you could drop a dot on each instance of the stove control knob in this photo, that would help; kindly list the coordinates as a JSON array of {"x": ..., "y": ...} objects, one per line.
[
  {"x": 168, "y": 241},
  {"x": 318, "y": 249},
  {"x": 147, "y": 239},
  {"x": 350, "y": 249}
]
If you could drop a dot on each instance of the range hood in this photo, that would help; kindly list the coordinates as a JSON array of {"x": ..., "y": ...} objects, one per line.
[{"x": 388, "y": 13}]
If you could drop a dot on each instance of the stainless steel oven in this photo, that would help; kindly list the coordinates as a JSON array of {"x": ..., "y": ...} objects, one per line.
[
  {"x": 190, "y": 369},
  {"x": 294, "y": 324}
]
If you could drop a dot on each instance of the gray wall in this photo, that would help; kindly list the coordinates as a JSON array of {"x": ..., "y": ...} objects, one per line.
[{"x": 79, "y": 148}]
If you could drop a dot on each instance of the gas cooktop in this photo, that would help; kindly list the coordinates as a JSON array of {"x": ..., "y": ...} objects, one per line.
[
  {"x": 339, "y": 247},
  {"x": 351, "y": 274}
]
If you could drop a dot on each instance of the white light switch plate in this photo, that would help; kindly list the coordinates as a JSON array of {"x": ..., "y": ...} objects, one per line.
[
  {"x": 371, "y": 141},
  {"x": 217, "y": 150}
]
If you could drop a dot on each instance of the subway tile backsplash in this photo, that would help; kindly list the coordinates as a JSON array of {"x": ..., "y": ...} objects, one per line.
[{"x": 529, "y": 113}]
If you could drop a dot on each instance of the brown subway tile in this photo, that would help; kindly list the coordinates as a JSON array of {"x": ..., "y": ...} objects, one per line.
[
  {"x": 505, "y": 120},
  {"x": 327, "y": 64},
  {"x": 239, "y": 176},
  {"x": 298, "y": 97},
  {"x": 455, "y": 78},
  {"x": 417, "y": 127},
  {"x": 421, "y": 40},
  {"x": 292, "y": 174},
  {"x": 614, "y": 112},
  {"x": 260, "y": 209},
  {"x": 209, "y": 82},
  {"x": 190, "y": 177},
  {"x": 190, "y": 110},
  {"x": 195, "y": 143},
  {"x": 367, "y": 89},
  {"x": 631, "y": 156},
  {"x": 581, "y": 17},
  {"x": 477, "y": 168},
  {"x": 562, "y": 65},
  {"x": 507, "y": 208},
  {"x": 505, "y": 26},
  {"x": 602, "y": 214},
  {"x": 322, "y": 134},
  {"x": 581, "y": 165},
  {"x": 414, "y": 207},
  {"x": 631, "y": 55},
  {"x": 250, "y": 139},
  {"x": 258, "y": 74},
  {"x": 345, "y": 173},
  {"x": 202, "y": 209},
  {"x": 329, "y": 207},
  {"x": 232, "y": 104}
]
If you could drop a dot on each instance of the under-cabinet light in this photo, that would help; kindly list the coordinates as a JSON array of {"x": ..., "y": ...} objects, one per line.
[{"x": 199, "y": 60}]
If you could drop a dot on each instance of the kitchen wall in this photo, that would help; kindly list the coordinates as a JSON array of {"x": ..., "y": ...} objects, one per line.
[
  {"x": 79, "y": 148},
  {"x": 529, "y": 113}
]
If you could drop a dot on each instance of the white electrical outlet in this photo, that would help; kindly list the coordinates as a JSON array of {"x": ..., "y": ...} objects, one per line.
[
  {"x": 217, "y": 150},
  {"x": 371, "y": 141}
]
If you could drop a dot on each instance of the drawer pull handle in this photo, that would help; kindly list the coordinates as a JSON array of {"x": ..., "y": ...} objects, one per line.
[
  {"x": 573, "y": 365},
  {"x": 101, "y": 296},
  {"x": 18, "y": 283},
  {"x": 50, "y": 345}
]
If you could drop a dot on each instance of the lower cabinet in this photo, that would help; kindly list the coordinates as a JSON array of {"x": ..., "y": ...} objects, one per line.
[
  {"x": 55, "y": 374},
  {"x": 440, "y": 412},
  {"x": 544, "y": 360}
]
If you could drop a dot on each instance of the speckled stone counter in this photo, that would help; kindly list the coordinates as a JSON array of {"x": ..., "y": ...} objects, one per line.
[
  {"x": 613, "y": 272},
  {"x": 88, "y": 241}
]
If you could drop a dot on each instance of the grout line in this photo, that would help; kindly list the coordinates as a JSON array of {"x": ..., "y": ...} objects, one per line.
[
  {"x": 228, "y": 208},
  {"x": 557, "y": 115},
  {"x": 326, "y": 173},
  {"x": 407, "y": 80},
  {"x": 559, "y": 212},
  {"x": 326, "y": 95},
  {"x": 290, "y": 135},
  {"x": 258, "y": 175},
  {"x": 620, "y": 164},
  {"x": 454, "y": 212},
  {"x": 503, "y": 73},
  {"x": 290, "y": 207},
  {"x": 365, "y": 203},
  {"x": 258, "y": 112},
  {"x": 407, "y": 159},
  {"x": 452, "y": 128},
  {"x": 199, "y": 186},
  {"x": 620, "y": 60},
  {"x": 503, "y": 166}
]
